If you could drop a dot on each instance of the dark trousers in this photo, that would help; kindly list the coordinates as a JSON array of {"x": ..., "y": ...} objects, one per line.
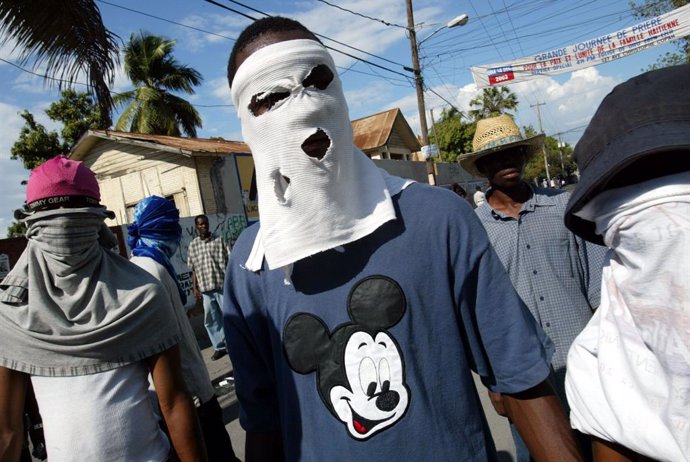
[{"x": 216, "y": 438}]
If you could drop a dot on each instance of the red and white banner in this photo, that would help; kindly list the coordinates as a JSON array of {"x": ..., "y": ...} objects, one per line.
[{"x": 661, "y": 29}]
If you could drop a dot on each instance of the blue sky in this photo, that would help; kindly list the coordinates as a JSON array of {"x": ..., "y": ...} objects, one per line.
[{"x": 498, "y": 30}]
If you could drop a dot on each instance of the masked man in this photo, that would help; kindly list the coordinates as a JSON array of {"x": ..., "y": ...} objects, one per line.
[
  {"x": 154, "y": 237},
  {"x": 628, "y": 380},
  {"x": 86, "y": 327},
  {"x": 355, "y": 312}
]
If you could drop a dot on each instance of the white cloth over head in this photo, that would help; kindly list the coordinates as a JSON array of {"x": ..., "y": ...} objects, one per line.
[
  {"x": 307, "y": 204},
  {"x": 628, "y": 378}
]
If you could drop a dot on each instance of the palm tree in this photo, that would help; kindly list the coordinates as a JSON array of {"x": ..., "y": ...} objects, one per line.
[
  {"x": 69, "y": 39},
  {"x": 155, "y": 73},
  {"x": 492, "y": 102}
]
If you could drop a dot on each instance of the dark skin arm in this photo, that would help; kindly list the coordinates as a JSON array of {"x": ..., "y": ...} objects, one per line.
[
  {"x": 176, "y": 406},
  {"x": 13, "y": 386},
  {"x": 263, "y": 447},
  {"x": 539, "y": 417},
  {"x": 195, "y": 287}
]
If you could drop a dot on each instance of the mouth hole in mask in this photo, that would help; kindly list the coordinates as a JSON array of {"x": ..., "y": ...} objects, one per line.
[
  {"x": 317, "y": 144},
  {"x": 281, "y": 183},
  {"x": 261, "y": 103}
]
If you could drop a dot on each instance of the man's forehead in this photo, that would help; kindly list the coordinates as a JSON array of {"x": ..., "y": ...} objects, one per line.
[{"x": 269, "y": 38}]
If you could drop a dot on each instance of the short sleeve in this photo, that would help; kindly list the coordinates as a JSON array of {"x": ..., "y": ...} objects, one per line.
[
  {"x": 508, "y": 349},
  {"x": 248, "y": 335}
]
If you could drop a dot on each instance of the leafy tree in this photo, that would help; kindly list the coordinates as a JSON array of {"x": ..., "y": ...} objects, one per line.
[
  {"x": 492, "y": 102},
  {"x": 151, "y": 108},
  {"x": 561, "y": 164},
  {"x": 77, "y": 113},
  {"x": 16, "y": 229},
  {"x": 651, "y": 8},
  {"x": 68, "y": 38},
  {"x": 35, "y": 144},
  {"x": 454, "y": 135}
]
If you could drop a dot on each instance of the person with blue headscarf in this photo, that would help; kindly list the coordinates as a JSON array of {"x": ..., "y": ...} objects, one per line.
[{"x": 154, "y": 237}]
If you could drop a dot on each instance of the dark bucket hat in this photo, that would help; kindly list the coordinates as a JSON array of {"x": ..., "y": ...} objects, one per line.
[{"x": 646, "y": 115}]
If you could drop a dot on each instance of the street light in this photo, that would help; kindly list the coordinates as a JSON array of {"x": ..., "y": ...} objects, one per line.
[
  {"x": 419, "y": 82},
  {"x": 456, "y": 21}
]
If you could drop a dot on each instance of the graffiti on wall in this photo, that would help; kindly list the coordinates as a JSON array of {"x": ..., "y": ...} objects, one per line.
[{"x": 227, "y": 226}]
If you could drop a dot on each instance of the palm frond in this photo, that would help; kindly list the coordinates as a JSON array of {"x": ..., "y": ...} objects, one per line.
[{"x": 67, "y": 39}]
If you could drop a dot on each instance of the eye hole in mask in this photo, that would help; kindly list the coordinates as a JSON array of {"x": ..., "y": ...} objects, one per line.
[
  {"x": 263, "y": 102},
  {"x": 319, "y": 77}
]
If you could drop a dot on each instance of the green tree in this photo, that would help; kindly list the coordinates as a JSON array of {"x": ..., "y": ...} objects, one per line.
[
  {"x": 492, "y": 102},
  {"x": 35, "y": 144},
  {"x": 454, "y": 135},
  {"x": 76, "y": 111},
  {"x": 651, "y": 8},
  {"x": 16, "y": 229},
  {"x": 65, "y": 40},
  {"x": 561, "y": 164},
  {"x": 150, "y": 106}
]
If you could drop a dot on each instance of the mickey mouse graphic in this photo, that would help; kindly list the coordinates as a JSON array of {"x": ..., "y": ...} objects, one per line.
[{"x": 359, "y": 367}]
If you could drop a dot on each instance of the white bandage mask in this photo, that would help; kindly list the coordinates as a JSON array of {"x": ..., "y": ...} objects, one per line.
[{"x": 320, "y": 197}]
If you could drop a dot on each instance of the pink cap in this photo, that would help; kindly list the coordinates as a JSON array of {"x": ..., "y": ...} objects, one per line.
[{"x": 61, "y": 182}]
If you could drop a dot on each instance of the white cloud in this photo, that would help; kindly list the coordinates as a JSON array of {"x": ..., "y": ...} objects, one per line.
[
  {"x": 223, "y": 26},
  {"x": 365, "y": 100},
  {"x": 219, "y": 88},
  {"x": 8, "y": 52},
  {"x": 568, "y": 105},
  {"x": 13, "y": 192},
  {"x": 9, "y": 129}
]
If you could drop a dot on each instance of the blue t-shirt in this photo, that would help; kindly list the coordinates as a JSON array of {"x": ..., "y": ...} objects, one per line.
[{"x": 367, "y": 354}]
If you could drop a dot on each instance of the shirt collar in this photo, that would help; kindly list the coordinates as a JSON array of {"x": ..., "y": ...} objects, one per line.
[{"x": 537, "y": 199}]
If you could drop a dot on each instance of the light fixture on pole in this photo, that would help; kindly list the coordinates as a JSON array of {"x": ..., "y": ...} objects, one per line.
[{"x": 419, "y": 82}]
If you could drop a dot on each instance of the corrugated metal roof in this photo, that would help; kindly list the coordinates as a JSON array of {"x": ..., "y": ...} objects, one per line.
[
  {"x": 374, "y": 131},
  {"x": 369, "y": 132},
  {"x": 189, "y": 146}
]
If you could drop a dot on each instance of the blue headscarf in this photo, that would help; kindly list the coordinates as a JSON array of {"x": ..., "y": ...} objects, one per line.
[{"x": 156, "y": 234}]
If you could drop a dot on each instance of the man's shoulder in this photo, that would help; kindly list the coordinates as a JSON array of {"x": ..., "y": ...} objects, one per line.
[
  {"x": 148, "y": 264},
  {"x": 429, "y": 199},
  {"x": 245, "y": 241},
  {"x": 560, "y": 194}
]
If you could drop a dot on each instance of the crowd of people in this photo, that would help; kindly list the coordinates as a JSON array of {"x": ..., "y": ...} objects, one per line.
[{"x": 358, "y": 308}]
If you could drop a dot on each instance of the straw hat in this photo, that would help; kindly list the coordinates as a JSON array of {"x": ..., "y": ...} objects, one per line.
[{"x": 497, "y": 134}]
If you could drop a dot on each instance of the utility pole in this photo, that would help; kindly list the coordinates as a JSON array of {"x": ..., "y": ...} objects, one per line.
[
  {"x": 419, "y": 85},
  {"x": 543, "y": 148},
  {"x": 433, "y": 128}
]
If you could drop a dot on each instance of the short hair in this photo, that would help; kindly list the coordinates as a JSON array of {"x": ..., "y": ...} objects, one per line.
[
  {"x": 257, "y": 29},
  {"x": 200, "y": 216},
  {"x": 478, "y": 188}
]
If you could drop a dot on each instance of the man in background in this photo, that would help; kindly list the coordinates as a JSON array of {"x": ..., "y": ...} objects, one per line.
[
  {"x": 207, "y": 257},
  {"x": 478, "y": 196},
  {"x": 555, "y": 273},
  {"x": 154, "y": 237}
]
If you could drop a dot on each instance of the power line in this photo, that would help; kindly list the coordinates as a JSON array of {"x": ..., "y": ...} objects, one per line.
[
  {"x": 320, "y": 36},
  {"x": 362, "y": 15},
  {"x": 46, "y": 77},
  {"x": 166, "y": 20},
  {"x": 231, "y": 9}
]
